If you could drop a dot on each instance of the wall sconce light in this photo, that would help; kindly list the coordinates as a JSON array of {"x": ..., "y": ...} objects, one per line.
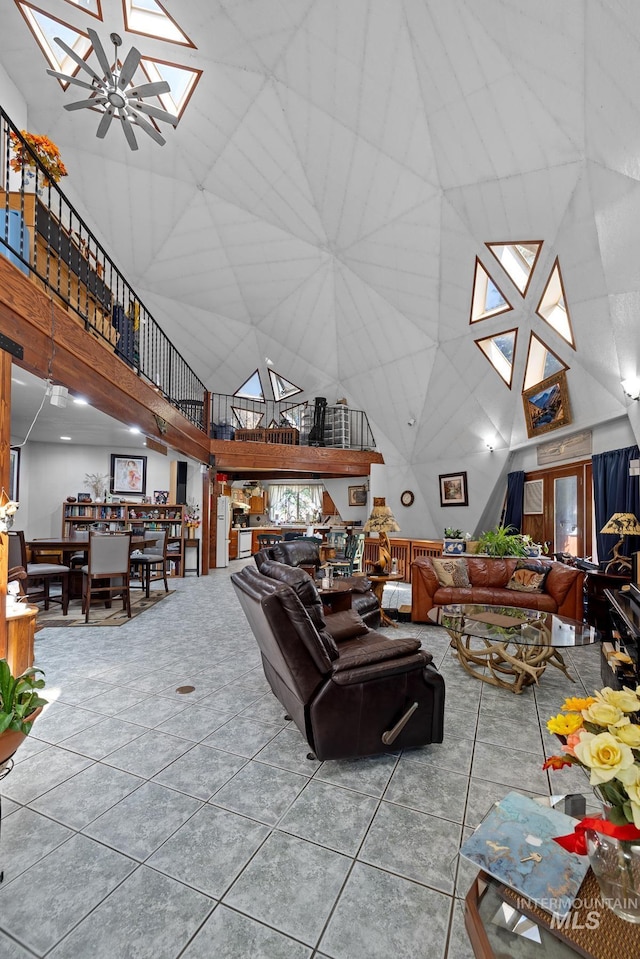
[
  {"x": 631, "y": 387},
  {"x": 411, "y": 421},
  {"x": 489, "y": 446}
]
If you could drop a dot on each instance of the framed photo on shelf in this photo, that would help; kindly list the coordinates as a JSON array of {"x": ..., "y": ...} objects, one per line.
[
  {"x": 128, "y": 474},
  {"x": 84, "y": 497},
  {"x": 161, "y": 496},
  {"x": 546, "y": 405},
  {"x": 453, "y": 489},
  {"x": 14, "y": 474},
  {"x": 357, "y": 496}
]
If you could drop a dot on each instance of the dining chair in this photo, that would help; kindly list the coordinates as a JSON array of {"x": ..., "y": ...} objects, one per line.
[
  {"x": 39, "y": 575},
  {"x": 151, "y": 562},
  {"x": 268, "y": 539},
  {"x": 106, "y": 575},
  {"x": 344, "y": 564}
]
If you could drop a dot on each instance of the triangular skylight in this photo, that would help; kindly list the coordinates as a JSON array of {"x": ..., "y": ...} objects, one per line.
[
  {"x": 282, "y": 388},
  {"x": 541, "y": 362},
  {"x": 517, "y": 260},
  {"x": 182, "y": 81},
  {"x": 247, "y": 419},
  {"x": 488, "y": 299},
  {"x": 45, "y": 29},
  {"x": 293, "y": 415},
  {"x": 89, "y": 6},
  {"x": 251, "y": 388},
  {"x": 553, "y": 308},
  {"x": 150, "y": 19},
  {"x": 500, "y": 350}
]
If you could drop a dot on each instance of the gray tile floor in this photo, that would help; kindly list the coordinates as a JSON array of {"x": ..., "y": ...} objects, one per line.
[{"x": 142, "y": 821}]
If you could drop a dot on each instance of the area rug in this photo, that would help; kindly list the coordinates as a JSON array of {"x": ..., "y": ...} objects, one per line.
[{"x": 99, "y": 615}]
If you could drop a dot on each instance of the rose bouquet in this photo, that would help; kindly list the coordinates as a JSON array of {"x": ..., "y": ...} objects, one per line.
[{"x": 601, "y": 733}]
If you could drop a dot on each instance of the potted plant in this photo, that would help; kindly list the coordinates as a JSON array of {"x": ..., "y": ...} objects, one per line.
[
  {"x": 501, "y": 541},
  {"x": 20, "y": 705},
  {"x": 454, "y": 541},
  {"x": 25, "y": 147}
]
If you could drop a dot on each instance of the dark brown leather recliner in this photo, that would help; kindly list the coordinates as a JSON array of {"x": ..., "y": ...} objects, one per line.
[
  {"x": 304, "y": 554},
  {"x": 350, "y": 690}
]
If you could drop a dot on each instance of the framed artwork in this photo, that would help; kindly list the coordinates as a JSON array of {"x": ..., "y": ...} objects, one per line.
[
  {"x": 357, "y": 496},
  {"x": 84, "y": 497},
  {"x": 128, "y": 474},
  {"x": 161, "y": 496},
  {"x": 546, "y": 405},
  {"x": 14, "y": 474},
  {"x": 453, "y": 489}
]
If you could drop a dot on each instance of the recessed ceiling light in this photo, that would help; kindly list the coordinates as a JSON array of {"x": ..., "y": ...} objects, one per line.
[
  {"x": 134, "y": 429},
  {"x": 65, "y": 437},
  {"x": 80, "y": 400}
]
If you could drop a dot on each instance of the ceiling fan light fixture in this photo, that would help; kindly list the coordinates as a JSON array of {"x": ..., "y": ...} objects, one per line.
[{"x": 112, "y": 93}]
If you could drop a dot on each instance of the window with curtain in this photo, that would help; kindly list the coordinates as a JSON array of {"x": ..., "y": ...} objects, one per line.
[{"x": 295, "y": 504}]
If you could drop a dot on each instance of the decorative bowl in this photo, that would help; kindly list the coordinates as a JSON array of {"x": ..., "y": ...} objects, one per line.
[{"x": 71, "y": 499}]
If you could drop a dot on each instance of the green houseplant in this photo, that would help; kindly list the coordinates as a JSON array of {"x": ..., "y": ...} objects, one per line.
[
  {"x": 20, "y": 705},
  {"x": 501, "y": 541},
  {"x": 453, "y": 541}
]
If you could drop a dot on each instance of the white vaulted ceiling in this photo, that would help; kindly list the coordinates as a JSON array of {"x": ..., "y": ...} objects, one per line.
[{"x": 338, "y": 169}]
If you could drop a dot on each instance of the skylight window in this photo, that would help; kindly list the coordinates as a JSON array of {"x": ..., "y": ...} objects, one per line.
[
  {"x": 488, "y": 299},
  {"x": 181, "y": 80},
  {"x": 517, "y": 260},
  {"x": 89, "y": 6},
  {"x": 247, "y": 419},
  {"x": 45, "y": 29},
  {"x": 552, "y": 307},
  {"x": 542, "y": 362},
  {"x": 282, "y": 388},
  {"x": 251, "y": 389},
  {"x": 150, "y": 19},
  {"x": 500, "y": 351}
]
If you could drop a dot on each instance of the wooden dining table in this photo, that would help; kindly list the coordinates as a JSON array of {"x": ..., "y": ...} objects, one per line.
[{"x": 67, "y": 546}]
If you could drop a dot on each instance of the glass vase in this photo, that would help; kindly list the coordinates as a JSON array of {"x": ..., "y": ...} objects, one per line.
[{"x": 616, "y": 866}]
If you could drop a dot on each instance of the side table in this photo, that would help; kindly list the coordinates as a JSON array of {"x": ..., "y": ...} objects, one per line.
[
  {"x": 192, "y": 542},
  {"x": 378, "y": 584}
]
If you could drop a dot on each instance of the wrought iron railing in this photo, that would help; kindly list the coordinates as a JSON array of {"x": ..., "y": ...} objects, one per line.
[
  {"x": 250, "y": 420},
  {"x": 41, "y": 233}
]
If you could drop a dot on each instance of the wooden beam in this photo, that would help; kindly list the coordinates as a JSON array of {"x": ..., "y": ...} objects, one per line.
[{"x": 232, "y": 456}]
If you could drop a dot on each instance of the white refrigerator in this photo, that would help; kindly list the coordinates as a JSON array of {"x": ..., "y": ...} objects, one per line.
[{"x": 223, "y": 526}]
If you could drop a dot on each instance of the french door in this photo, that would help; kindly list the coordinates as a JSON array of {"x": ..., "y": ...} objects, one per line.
[{"x": 558, "y": 508}]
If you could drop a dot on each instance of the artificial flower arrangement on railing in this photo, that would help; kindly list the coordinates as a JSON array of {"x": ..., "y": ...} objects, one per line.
[
  {"x": 601, "y": 734},
  {"x": 46, "y": 151}
]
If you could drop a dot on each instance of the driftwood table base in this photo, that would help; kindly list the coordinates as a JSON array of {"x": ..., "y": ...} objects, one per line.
[{"x": 494, "y": 664}]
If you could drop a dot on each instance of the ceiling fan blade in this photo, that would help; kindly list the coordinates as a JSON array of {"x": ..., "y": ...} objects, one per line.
[
  {"x": 149, "y": 128},
  {"x": 129, "y": 67},
  {"x": 68, "y": 79},
  {"x": 154, "y": 112},
  {"x": 128, "y": 132},
  {"x": 77, "y": 59},
  {"x": 85, "y": 104},
  {"x": 98, "y": 49},
  {"x": 149, "y": 89},
  {"x": 105, "y": 122}
]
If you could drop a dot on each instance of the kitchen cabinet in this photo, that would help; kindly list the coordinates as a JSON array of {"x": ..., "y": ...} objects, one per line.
[{"x": 257, "y": 504}]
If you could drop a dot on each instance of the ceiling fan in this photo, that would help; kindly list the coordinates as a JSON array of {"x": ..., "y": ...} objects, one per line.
[{"x": 112, "y": 94}]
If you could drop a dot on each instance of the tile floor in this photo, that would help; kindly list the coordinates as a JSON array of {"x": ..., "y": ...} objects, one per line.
[{"x": 140, "y": 821}]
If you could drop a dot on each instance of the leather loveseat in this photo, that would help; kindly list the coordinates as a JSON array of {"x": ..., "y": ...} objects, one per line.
[
  {"x": 561, "y": 593},
  {"x": 350, "y": 690},
  {"x": 305, "y": 554}
]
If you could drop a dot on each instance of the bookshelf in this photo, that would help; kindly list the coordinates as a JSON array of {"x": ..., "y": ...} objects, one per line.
[{"x": 137, "y": 517}]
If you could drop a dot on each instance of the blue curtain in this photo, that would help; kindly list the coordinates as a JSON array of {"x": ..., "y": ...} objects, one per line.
[
  {"x": 514, "y": 504},
  {"x": 614, "y": 491}
]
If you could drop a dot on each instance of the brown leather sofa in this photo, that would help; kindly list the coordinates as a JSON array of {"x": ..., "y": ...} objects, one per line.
[
  {"x": 350, "y": 690},
  {"x": 563, "y": 587},
  {"x": 305, "y": 554}
]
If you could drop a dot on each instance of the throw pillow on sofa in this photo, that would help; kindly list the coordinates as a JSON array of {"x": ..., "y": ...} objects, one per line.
[
  {"x": 452, "y": 572},
  {"x": 529, "y": 576}
]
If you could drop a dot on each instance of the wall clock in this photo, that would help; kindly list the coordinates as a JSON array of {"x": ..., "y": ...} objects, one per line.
[{"x": 407, "y": 498}]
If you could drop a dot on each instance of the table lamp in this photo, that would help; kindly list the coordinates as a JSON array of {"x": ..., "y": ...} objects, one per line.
[
  {"x": 623, "y": 524},
  {"x": 381, "y": 521}
]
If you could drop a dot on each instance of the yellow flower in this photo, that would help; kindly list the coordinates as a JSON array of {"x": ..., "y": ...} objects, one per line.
[
  {"x": 627, "y": 732},
  {"x": 624, "y": 699},
  {"x": 575, "y": 703},
  {"x": 631, "y": 780},
  {"x": 602, "y": 714},
  {"x": 604, "y": 755},
  {"x": 564, "y": 725}
]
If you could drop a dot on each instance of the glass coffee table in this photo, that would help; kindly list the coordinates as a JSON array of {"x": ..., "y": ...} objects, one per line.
[{"x": 509, "y": 646}]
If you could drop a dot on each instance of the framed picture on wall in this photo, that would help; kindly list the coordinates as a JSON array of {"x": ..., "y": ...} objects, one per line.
[
  {"x": 357, "y": 496},
  {"x": 14, "y": 474},
  {"x": 128, "y": 474},
  {"x": 453, "y": 489},
  {"x": 546, "y": 405},
  {"x": 161, "y": 496}
]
